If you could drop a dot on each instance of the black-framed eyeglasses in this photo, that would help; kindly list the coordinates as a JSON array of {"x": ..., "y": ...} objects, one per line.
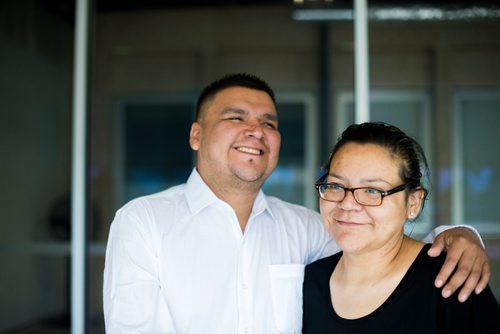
[{"x": 334, "y": 192}]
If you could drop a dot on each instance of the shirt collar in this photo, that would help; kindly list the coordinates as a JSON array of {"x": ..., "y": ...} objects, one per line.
[
  {"x": 200, "y": 196},
  {"x": 261, "y": 205}
]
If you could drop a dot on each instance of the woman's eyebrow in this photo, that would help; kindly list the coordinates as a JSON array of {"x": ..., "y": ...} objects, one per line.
[
  {"x": 341, "y": 178},
  {"x": 336, "y": 176}
]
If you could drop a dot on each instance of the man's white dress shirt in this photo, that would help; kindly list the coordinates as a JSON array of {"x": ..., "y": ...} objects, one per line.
[{"x": 178, "y": 262}]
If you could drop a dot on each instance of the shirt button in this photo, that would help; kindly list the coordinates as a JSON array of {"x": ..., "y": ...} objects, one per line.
[{"x": 244, "y": 287}]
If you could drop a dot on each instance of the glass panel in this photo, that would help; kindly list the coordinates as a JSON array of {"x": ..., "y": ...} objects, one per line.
[
  {"x": 35, "y": 293},
  {"x": 492, "y": 246},
  {"x": 152, "y": 163},
  {"x": 407, "y": 115},
  {"x": 442, "y": 57},
  {"x": 287, "y": 181},
  {"x": 95, "y": 323},
  {"x": 173, "y": 51},
  {"x": 408, "y": 111},
  {"x": 156, "y": 145},
  {"x": 36, "y": 42},
  {"x": 480, "y": 177}
]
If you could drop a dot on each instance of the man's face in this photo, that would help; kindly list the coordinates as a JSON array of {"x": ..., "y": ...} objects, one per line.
[{"x": 237, "y": 138}]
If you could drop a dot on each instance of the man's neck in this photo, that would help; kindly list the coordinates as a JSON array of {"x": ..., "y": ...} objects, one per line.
[
  {"x": 242, "y": 203},
  {"x": 240, "y": 197}
]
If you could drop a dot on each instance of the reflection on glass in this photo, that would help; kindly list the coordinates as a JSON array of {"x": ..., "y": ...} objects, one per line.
[
  {"x": 480, "y": 145},
  {"x": 155, "y": 147},
  {"x": 287, "y": 182},
  {"x": 36, "y": 41}
]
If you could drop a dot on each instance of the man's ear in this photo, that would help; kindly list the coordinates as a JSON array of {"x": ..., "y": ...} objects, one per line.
[{"x": 194, "y": 136}]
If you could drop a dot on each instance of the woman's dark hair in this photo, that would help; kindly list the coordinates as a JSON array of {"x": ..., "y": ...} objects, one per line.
[
  {"x": 413, "y": 162},
  {"x": 232, "y": 80}
]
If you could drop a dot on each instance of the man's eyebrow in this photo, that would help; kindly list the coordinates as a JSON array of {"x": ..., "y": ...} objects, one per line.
[
  {"x": 239, "y": 111},
  {"x": 271, "y": 117},
  {"x": 234, "y": 111}
]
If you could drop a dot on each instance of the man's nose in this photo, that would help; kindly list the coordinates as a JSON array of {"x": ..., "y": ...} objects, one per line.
[{"x": 254, "y": 129}]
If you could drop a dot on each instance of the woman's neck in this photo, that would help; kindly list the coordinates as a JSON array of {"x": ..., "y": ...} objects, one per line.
[
  {"x": 374, "y": 264},
  {"x": 361, "y": 283}
]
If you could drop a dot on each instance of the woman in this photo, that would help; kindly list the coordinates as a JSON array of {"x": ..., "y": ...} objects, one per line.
[{"x": 382, "y": 281}]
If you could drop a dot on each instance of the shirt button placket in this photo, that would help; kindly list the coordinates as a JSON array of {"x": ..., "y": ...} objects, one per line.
[{"x": 244, "y": 295}]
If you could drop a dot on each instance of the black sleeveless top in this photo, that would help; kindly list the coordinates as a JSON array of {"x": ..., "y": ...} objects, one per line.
[{"x": 415, "y": 306}]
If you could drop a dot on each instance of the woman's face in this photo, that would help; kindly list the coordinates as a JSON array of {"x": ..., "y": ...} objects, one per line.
[{"x": 358, "y": 228}]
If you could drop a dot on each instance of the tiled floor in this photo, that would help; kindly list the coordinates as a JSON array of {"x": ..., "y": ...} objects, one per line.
[
  {"x": 41, "y": 329},
  {"x": 60, "y": 325}
]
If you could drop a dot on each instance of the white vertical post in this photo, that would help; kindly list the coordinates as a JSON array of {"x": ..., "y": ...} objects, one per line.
[
  {"x": 361, "y": 81},
  {"x": 78, "y": 179}
]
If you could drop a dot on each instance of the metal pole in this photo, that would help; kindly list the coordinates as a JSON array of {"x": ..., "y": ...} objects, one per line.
[
  {"x": 78, "y": 178},
  {"x": 324, "y": 118},
  {"x": 362, "y": 81}
]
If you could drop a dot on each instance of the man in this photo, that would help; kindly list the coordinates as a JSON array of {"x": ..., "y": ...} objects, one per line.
[{"x": 215, "y": 255}]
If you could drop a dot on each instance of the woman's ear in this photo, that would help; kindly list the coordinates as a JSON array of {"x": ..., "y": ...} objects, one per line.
[{"x": 415, "y": 203}]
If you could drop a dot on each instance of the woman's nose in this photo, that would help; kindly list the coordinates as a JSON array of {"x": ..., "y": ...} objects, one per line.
[{"x": 349, "y": 201}]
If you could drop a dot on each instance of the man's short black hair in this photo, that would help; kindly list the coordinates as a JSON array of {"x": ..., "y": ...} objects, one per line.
[{"x": 232, "y": 80}]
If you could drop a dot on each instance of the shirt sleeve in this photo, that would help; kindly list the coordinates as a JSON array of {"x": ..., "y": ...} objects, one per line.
[
  {"x": 132, "y": 298},
  {"x": 439, "y": 229},
  {"x": 322, "y": 244}
]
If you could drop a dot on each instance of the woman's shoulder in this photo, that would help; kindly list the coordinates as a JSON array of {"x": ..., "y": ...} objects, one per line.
[
  {"x": 425, "y": 259},
  {"x": 324, "y": 265}
]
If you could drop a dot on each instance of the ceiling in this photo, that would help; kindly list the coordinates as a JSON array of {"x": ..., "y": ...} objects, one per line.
[
  {"x": 121, "y": 5},
  {"x": 66, "y": 8}
]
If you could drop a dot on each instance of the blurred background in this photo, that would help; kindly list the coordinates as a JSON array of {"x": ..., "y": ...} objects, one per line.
[{"x": 434, "y": 72}]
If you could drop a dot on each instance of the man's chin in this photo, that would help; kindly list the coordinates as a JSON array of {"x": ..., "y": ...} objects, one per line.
[{"x": 252, "y": 176}]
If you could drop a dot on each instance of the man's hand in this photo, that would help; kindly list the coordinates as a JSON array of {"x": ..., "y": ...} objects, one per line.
[{"x": 467, "y": 256}]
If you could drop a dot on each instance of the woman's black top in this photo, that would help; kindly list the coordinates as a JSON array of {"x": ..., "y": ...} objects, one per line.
[{"x": 415, "y": 306}]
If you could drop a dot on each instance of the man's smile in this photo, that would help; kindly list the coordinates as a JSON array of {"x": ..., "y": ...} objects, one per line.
[{"x": 249, "y": 150}]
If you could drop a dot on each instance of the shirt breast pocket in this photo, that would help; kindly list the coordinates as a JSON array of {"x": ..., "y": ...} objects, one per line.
[{"x": 286, "y": 293}]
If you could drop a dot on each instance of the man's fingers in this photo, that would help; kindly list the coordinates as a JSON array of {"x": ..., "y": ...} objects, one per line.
[
  {"x": 444, "y": 274},
  {"x": 471, "y": 282},
  {"x": 457, "y": 279},
  {"x": 468, "y": 274},
  {"x": 466, "y": 265},
  {"x": 438, "y": 246},
  {"x": 485, "y": 277}
]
